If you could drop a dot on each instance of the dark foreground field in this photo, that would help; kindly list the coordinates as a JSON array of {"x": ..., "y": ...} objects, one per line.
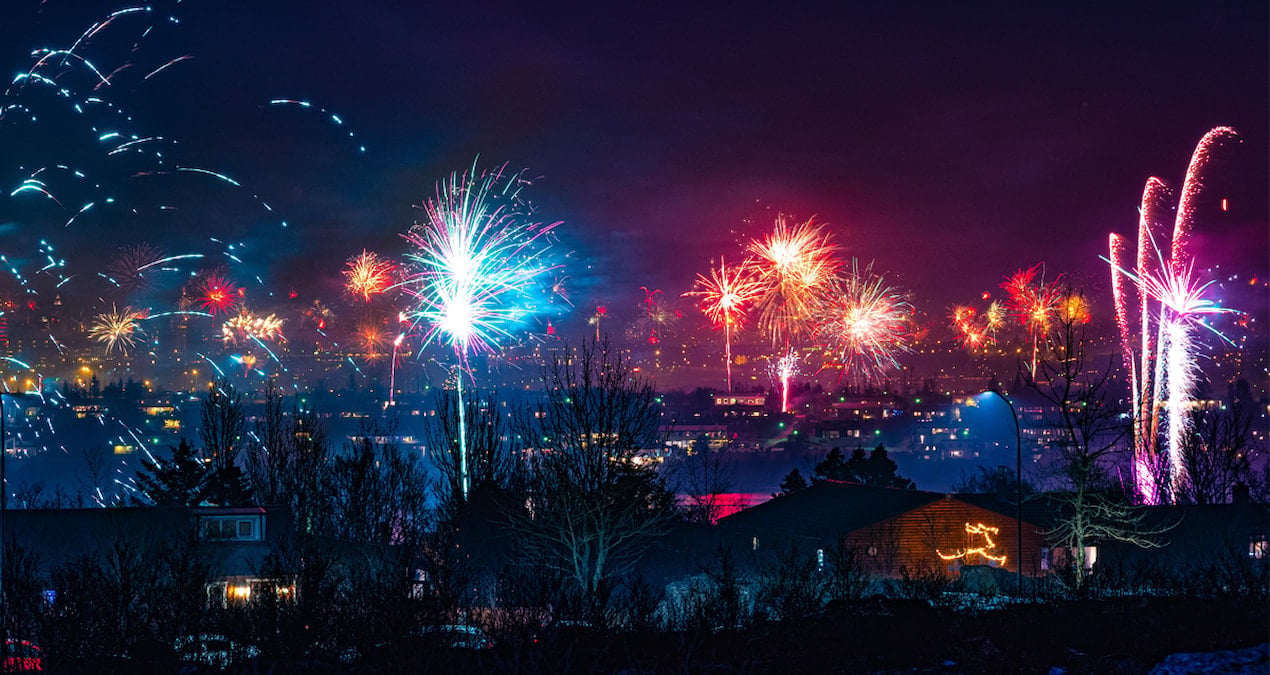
[{"x": 885, "y": 636}]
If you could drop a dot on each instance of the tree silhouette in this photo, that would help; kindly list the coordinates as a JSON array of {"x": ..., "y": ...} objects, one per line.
[{"x": 178, "y": 481}]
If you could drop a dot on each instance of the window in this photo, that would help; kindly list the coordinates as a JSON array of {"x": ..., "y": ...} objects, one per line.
[
  {"x": 231, "y": 528},
  {"x": 1060, "y": 557},
  {"x": 1257, "y": 547}
]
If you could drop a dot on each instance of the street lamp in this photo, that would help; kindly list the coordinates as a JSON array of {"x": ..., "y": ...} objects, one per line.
[
  {"x": 1018, "y": 484},
  {"x": 4, "y": 503}
]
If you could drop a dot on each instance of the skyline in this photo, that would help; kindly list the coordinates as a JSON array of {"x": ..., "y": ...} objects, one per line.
[{"x": 946, "y": 164}]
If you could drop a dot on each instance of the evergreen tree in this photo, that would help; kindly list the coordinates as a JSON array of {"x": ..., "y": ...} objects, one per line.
[
  {"x": 793, "y": 482},
  {"x": 178, "y": 481},
  {"x": 880, "y": 470},
  {"x": 833, "y": 467},
  {"x": 226, "y": 486}
]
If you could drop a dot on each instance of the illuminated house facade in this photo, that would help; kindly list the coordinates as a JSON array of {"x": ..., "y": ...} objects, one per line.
[{"x": 892, "y": 529}]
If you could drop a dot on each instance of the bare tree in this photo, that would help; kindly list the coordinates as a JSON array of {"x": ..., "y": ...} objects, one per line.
[
  {"x": 591, "y": 500},
  {"x": 1217, "y": 453},
  {"x": 703, "y": 477},
  {"x": 491, "y": 456},
  {"x": 266, "y": 454},
  {"x": 288, "y": 462},
  {"x": 1089, "y": 423},
  {"x": 378, "y": 491}
]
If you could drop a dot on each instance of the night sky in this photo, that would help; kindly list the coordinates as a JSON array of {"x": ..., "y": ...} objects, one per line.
[{"x": 953, "y": 143}]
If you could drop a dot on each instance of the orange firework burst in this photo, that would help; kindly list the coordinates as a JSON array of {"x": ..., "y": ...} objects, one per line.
[
  {"x": 248, "y": 326},
  {"x": 794, "y": 266},
  {"x": 372, "y": 338},
  {"x": 368, "y": 274},
  {"x": 727, "y": 294}
]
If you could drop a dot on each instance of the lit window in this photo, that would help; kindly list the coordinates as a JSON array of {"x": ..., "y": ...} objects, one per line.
[
  {"x": 1257, "y": 547},
  {"x": 754, "y": 543}
]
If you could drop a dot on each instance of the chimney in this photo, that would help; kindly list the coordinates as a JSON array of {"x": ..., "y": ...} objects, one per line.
[{"x": 1240, "y": 494}]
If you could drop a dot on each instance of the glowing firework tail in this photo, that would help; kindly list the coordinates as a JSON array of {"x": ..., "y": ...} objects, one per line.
[
  {"x": 786, "y": 369},
  {"x": 1167, "y": 363},
  {"x": 1150, "y": 371},
  {"x": 1180, "y": 257},
  {"x": 478, "y": 258},
  {"x": 1116, "y": 253},
  {"x": 725, "y": 299}
]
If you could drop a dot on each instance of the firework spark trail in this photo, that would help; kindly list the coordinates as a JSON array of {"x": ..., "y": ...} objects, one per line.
[
  {"x": 725, "y": 300},
  {"x": 1154, "y": 194},
  {"x": 1167, "y": 357},
  {"x": 1186, "y": 303},
  {"x": 786, "y": 369},
  {"x": 479, "y": 256},
  {"x": 1180, "y": 256},
  {"x": 1116, "y": 254},
  {"x": 336, "y": 119},
  {"x": 865, "y": 322}
]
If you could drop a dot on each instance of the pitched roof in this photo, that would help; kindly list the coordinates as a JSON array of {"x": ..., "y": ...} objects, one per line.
[{"x": 826, "y": 509}]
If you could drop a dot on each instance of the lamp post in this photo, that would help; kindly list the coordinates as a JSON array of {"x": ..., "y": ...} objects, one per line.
[
  {"x": 1018, "y": 485},
  {"x": 4, "y": 504}
]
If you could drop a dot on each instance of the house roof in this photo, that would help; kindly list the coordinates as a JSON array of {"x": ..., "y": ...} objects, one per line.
[
  {"x": 58, "y": 536},
  {"x": 826, "y": 509}
]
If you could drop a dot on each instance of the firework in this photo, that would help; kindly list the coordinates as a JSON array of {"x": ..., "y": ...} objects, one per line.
[
  {"x": 865, "y": 322},
  {"x": 117, "y": 328},
  {"x": 478, "y": 260},
  {"x": 128, "y": 269},
  {"x": 1034, "y": 303},
  {"x": 794, "y": 265},
  {"x": 217, "y": 295},
  {"x": 248, "y": 326},
  {"x": 786, "y": 369},
  {"x": 725, "y": 299},
  {"x": 367, "y": 275},
  {"x": 1165, "y": 373}
]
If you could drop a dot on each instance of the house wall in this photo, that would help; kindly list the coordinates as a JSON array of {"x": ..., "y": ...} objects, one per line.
[{"x": 915, "y": 540}]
